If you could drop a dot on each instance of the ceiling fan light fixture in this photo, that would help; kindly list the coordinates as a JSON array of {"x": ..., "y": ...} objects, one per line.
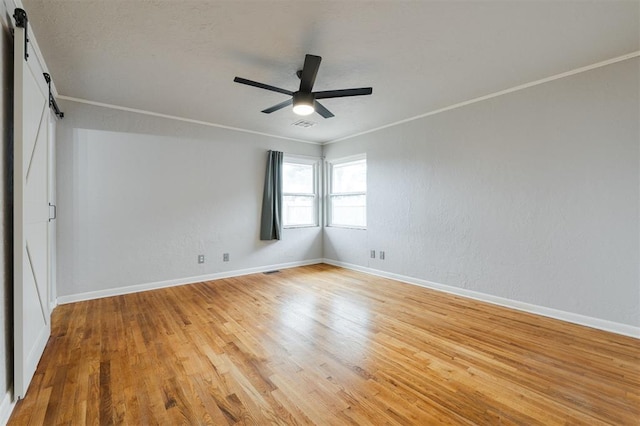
[
  {"x": 304, "y": 100},
  {"x": 303, "y": 103},
  {"x": 303, "y": 109}
]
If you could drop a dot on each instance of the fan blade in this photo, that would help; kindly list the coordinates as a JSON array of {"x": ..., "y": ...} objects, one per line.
[
  {"x": 309, "y": 72},
  {"x": 322, "y": 110},
  {"x": 262, "y": 86},
  {"x": 279, "y": 106},
  {"x": 342, "y": 93}
]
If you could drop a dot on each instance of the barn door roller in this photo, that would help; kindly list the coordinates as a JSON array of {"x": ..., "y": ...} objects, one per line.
[
  {"x": 22, "y": 21},
  {"x": 52, "y": 101}
]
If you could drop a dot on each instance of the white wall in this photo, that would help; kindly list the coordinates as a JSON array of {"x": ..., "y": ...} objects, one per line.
[
  {"x": 532, "y": 196},
  {"x": 140, "y": 197}
]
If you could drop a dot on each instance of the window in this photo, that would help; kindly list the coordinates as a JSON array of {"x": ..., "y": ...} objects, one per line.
[
  {"x": 300, "y": 192},
  {"x": 348, "y": 193}
]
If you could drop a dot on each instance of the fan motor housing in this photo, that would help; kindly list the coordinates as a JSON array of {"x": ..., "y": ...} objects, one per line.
[
  {"x": 303, "y": 103},
  {"x": 303, "y": 98}
]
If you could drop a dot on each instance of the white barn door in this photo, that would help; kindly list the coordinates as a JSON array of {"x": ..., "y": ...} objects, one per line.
[{"x": 32, "y": 325}]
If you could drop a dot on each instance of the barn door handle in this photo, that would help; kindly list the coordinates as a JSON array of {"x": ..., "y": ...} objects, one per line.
[{"x": 55, "y": 212}]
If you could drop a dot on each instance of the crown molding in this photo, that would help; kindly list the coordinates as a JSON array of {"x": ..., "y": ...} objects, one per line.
[{"x": 496, "y": 94}]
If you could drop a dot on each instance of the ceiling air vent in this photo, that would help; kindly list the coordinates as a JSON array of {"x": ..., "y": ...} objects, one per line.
[{"x": 303, "y": 123}]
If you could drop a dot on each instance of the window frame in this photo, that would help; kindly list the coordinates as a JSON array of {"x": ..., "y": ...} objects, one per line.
[
  {"x": 330, "y": 164},
  {"x": 315, "y": 163}
]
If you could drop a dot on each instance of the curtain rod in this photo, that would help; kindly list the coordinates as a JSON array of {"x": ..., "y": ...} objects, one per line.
[{"x": 311, "y": 157}]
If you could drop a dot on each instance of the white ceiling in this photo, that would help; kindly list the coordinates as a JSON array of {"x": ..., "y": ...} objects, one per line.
[{"x": 180, "y": 57}]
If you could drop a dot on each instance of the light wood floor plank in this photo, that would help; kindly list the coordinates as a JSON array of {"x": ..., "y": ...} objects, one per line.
[{"x": 324, "y": 345}]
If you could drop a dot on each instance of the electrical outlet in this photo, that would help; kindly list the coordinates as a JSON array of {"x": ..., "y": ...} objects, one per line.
[
  {"x": 201, "y": 258},
  {"x": 225, "y": 257},
  {"x": 381, "y": 255},
  {"x": 373, "y": 254}
]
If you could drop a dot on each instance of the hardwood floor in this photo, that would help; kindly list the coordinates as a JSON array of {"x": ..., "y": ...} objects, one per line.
[{"x": 324, "y": 345}]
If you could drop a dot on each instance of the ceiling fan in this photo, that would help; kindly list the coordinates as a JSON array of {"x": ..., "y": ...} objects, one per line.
[{"x": 304, "y": 100}]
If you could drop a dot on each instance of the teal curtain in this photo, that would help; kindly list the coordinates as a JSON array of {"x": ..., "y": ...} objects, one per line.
[{"x": 271, "y": 223}]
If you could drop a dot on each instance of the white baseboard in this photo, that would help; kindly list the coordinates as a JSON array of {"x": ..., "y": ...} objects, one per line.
[
  {"x": 614, "y": 327},
  {"x": 179, "y": 281},
  {"x": 6, "y": 407}
]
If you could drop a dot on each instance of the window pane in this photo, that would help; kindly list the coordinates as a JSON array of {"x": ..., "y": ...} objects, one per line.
[
  {"x": 349, "y": 177},
  {"x": 349, "y": 210},
  {"x": 297, "y": 178},
  {"x": 298, "y": 210}
]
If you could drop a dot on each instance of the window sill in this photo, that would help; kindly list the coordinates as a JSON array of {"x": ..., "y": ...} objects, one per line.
[
  {"x": 359, "y": 228},
  {"x": 300, "y": 226}
]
